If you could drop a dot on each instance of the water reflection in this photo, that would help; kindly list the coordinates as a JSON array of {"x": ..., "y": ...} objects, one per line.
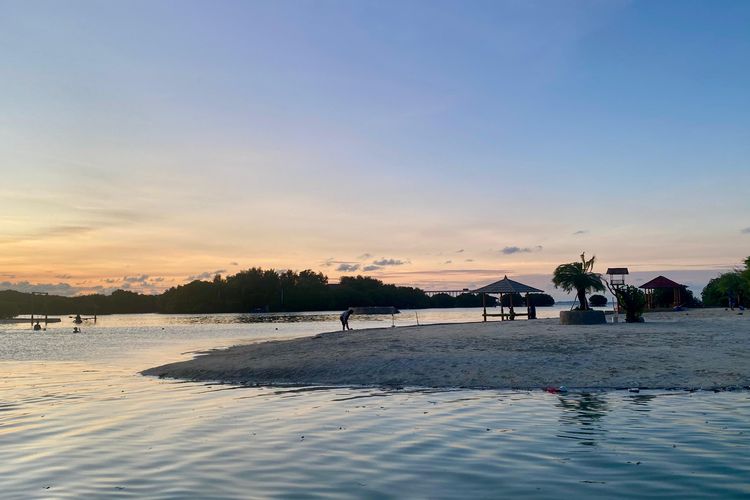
[
  {"x": 323, "y": 317},
  {"x": 581, "y": 417},
  {"x": 641, "y": 401},
  {"x": 254, "y": 318}
]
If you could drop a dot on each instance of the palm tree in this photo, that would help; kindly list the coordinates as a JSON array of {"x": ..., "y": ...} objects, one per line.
[{"x": 578, "y": 276}]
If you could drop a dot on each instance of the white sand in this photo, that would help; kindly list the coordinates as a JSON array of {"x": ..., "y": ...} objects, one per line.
[{"x": 701, "y": 349}]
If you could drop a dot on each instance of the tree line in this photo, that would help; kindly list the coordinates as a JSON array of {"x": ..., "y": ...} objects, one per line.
[
  {"x": 252, "y": 290},
  {"x": 733, "y": 286}
]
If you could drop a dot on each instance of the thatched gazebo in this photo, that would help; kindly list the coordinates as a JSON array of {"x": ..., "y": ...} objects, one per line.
[
  {"x": 658, "y": 283},
  {"x": 508, "y": 287}
]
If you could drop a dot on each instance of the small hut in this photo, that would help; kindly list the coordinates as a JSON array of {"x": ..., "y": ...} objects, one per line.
[
  {"x": 658, "y": 283},
  {"x": 617, "y": 276},
  {"x": 508, "y": 286}
]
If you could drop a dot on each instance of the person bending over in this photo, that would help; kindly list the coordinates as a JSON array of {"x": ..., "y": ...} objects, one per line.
[{"x": 345, "y": 319}]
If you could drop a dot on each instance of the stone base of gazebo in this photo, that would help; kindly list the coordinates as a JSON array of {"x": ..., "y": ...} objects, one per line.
[{"x": 588, "y": 317}]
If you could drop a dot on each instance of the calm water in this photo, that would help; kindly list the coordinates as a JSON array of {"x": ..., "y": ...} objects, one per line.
[{"x": 76, "y": 420}]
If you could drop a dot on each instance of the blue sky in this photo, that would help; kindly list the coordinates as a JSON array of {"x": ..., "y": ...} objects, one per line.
[{"x": 171, "y": 139}]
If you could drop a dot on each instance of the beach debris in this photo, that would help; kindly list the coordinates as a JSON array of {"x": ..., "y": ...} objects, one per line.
[
  {"x": 634, "y": 389},
  {"x": 556, "y": 390}
]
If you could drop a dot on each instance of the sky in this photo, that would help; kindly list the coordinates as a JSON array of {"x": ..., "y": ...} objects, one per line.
[{"x": 438, "y": 144}]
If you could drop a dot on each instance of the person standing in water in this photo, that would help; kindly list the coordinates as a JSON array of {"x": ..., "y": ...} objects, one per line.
[{"x": 345, "y": 319}]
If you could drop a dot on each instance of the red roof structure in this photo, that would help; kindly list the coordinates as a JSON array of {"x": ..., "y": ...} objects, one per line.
[{"x": 660, "y": 282}]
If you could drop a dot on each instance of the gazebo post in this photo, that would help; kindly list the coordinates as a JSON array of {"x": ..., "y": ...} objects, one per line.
[
  {"x": 484, "y": 306},
  {"x": 502, "y": 308},
  {"x": 528, "y": 306},
  {"x": 511, "y": 311}
]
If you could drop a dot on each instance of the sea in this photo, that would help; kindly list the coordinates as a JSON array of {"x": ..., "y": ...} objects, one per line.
[{"x": 77, "y": 420}]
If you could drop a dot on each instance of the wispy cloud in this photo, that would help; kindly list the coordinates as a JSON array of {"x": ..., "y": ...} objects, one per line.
[
  {"x": 365, "y": 256},
  {"x": 64, "y": 289},
  {"x": 580, "y": 232},
  {"x": 47, "y": 232},
  {"x": 461, "y": 250},
  {"x": 330, "y": 261},
  {"x": 745, "y": 230},
  {"x": 390, "y": 262},
  {"x": 451, "y": 272},
  {"x": 206, "y": 275},
  {"x": 347, "y": 268},
  {"x": 371, "y": 268},
  {"x": 135, "y": 279},
  {"x": 448, "y": 262},
  {"x": 514, "y": 249}
]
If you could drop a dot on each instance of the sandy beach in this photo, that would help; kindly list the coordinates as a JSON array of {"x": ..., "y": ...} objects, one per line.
[{"x": 698, "y": 349}]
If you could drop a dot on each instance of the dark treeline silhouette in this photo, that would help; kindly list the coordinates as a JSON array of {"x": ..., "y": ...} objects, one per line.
[
  {"x": 537, "y": 299},
  {"x": 252, "y": 290},
  {"x": 13, "y": 303}
]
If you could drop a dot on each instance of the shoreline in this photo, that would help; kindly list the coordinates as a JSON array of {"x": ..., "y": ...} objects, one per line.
[{"x": 697, "y": 349}]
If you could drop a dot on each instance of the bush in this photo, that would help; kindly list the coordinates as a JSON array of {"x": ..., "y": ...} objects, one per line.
[
  {"x": 633, "y": 302},
  {"x": 597, "y": 300}
]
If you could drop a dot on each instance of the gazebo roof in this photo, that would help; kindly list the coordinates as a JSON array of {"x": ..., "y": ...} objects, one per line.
[
  {"x": 506, "y": 285},
  {"x": 660, "y": 282}
]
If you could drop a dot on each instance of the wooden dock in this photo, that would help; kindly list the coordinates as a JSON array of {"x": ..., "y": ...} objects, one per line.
[{"x": 29, "y": 320}]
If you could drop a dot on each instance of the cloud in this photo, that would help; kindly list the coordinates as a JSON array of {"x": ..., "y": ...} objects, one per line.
[
  {"x": 453, "y": 272},
  {"x": 580, "y": 232},
  {"x": 135, "y": 279},
  {"x": 469, "y": 260},
  {"x": 515, "y": 249},
  {"x": 206, "y": 276},
  {"x": 331, "y": 261},
  {"x": 390, "y": 262},
  {"x": 64, "y": 289},
  {"x": 371, "y": 268},
  {"x": 746, "y": 230},
  {"x": 460, "y": 250},
  {"x": 448, "y": 262},
  {"x": 234, "y": 264},
  {"x": 159, "y": 279},
  {"x": 347, "y": 268},
  {"x": 365, "y": 256}
]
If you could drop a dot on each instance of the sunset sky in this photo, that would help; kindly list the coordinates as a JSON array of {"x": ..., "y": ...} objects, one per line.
[{"x": 438, "y": 144}]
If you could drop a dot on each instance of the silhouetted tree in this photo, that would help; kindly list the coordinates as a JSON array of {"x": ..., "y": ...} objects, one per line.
[{"x": 578, "y": 276}]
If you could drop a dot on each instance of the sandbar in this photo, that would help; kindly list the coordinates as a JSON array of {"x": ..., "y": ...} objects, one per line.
[{"x": 698, "y": 349}]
